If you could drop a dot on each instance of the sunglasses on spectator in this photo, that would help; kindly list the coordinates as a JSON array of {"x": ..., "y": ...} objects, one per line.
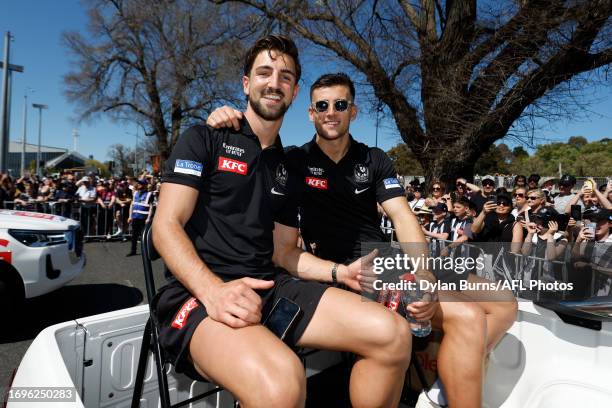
[
  {"x": 503, "y": 203},
  {"x": 488, "y": 183},
  {"x": 533, "y": 198},
  {"x": 340, "y": 105},
  {"x": 519, "y": 195},
  {"x": 436, "y": 188},
  {"x": 460, "y": 185}
]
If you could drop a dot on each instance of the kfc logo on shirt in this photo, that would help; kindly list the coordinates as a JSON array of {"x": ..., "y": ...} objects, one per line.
[
  {"x": 317, "y": 183},
  {"x": 181, "y": 316},
  {"x": 233, "y": 166}
]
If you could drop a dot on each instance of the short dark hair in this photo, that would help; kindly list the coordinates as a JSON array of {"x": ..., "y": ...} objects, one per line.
[
  {"x": 271, "y": 43},
  {"x": 327, "y": 80}
]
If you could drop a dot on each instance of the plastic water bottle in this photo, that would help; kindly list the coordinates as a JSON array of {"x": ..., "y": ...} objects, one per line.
[{"x": 420, "y": 328}]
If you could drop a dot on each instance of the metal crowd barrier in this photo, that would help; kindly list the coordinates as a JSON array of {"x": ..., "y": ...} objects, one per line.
[{"x": 97, "y": 223}]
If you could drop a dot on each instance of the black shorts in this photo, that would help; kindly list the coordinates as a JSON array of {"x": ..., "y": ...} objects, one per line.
[{"x": 179, "y": 314}]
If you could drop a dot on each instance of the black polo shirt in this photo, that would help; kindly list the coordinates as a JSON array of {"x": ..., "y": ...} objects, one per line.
[
  {"x": 242, "y": 190},
  {"x": 338, "y": 200}
]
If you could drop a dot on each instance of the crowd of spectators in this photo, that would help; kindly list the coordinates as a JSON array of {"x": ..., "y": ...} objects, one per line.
[
  {"x": 537, "y": 218},
  {"x": 102, "y": 204}
]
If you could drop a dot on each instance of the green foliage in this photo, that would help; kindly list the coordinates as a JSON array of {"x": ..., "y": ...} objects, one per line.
[
  {"x": 577, "y": 156},
  {"x": 404, "y": 160}
]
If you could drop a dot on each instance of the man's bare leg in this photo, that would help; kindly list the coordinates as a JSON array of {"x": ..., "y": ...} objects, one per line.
[
  {"x": 347, "y": 322},
  {"x": 251, "y": 363},
  {"x": 462, "y": 351},
  {"x": 500, "y": 307}
]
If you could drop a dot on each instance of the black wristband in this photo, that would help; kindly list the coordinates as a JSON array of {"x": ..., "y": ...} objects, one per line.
[{"x": 334, "y": 271}]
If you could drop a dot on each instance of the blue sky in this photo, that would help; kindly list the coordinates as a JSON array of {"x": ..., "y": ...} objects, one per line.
[{"x": 37, "y": 26}]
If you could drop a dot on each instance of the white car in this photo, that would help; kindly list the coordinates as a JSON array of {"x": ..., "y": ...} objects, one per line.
[{"x": 38, "y": 254}]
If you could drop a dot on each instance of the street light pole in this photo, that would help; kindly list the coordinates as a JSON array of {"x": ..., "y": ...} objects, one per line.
[
  {"x": 25, "y": 127},
  {"x": 40, "y": 107}
]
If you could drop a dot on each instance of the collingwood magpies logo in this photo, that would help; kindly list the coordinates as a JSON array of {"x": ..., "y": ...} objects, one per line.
[
  {"x": 362, "y": 173},
  {"x": 281, "y": 174}
]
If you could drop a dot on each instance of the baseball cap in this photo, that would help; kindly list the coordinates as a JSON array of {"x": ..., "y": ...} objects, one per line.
[
  {"x": 567, "y": 180},
  {"x": 84, "y": 179},
  {"x": 440, "y": 207},
  {"x": 142, "y": 182},
  {"x": 547, "y": 214},
  {"x": 598, "y": 214},
  {"x": 489, "y": 178}
]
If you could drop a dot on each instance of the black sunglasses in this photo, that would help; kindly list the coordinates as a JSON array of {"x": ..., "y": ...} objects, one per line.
[
  {"x": 488, "y": 183},
  {"x": 339, "y": 106},
  {"x": 436, "y": 188},
  {"x": 519, "y": 195},
  {"x": 533, "y": 198}
]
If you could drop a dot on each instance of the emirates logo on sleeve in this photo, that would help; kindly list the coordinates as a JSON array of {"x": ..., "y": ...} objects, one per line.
[
  {"x": 181, "y": 316},
  {"x": 233, "y": 166}
]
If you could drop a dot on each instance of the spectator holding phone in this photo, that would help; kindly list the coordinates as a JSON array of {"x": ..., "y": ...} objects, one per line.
[
  {"x": 495, "y": 223},
  {"x": 544, "y": 240},
  {"x": 592, "y": 254}
]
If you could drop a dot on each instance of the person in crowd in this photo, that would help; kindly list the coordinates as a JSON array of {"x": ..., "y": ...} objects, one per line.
[
  {"x": 519, "y": 194},
  {"x": 6, "y": 192},
  {"x": 24, "y": 196},
  {"x": 592, "y": 255},
  {"x": 438, "y": 229},
  {"x": 106, "y": 204},
  {"x": 86, "y": 195},
  {"x": 330, "y": 232},
  {"x": 123, "y": 201},
  {"x": 140, "y": 212},
  {"x": 437, "y": 190},
  {"x": 63, "y": 198},
  {"x": 418, "y": 201},
  {"x": 495, "y": 223},
  {"x": 520, "y": 181},
  {"x": 536, "y": 200},
  {"x": 544, "y": 240},
  {"x": 480, "y": 196},
  {"x": 242, "y": 175},
  {"x": 566, "y": 183},
  {"x": 547, "y": 185},
  {"x": 533, "y": 181}
]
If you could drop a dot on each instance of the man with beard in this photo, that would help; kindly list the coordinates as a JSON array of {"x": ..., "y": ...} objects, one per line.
[
  {"x": 217, "y": 240},
  {"x": 342, "y": 181}
]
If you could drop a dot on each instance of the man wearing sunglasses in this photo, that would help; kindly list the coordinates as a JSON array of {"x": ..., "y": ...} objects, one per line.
[{"x": 343, "y": 180}]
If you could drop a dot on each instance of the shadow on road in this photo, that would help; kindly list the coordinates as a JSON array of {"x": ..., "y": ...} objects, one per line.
[{"x": 67, "y": 303}]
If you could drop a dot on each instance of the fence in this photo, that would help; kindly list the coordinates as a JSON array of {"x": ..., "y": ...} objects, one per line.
[{"x": 97, "y": 222}]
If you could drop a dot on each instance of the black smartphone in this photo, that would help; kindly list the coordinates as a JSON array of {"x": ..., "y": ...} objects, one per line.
[
  {"x": 281, "y": 317},
  {"x": 492, "y": 198},
  {"x": 576, "y": 212}
]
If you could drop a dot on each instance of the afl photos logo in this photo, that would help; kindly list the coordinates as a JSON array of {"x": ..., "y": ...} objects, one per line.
[{"x": 362, "y": 174}]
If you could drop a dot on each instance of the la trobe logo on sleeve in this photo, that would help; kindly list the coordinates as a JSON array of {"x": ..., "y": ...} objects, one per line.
[{"x": 188, "y": 167}]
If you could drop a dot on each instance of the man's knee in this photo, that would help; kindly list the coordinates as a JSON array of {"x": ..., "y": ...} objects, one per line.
[
  {"x": 465, "y": 319},
  {"x": 392, "y": 340},
  {"x": 281, "y": 383}
]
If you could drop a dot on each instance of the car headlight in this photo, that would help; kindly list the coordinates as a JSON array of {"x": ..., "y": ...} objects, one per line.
[{"x": 40, "y": 238}]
